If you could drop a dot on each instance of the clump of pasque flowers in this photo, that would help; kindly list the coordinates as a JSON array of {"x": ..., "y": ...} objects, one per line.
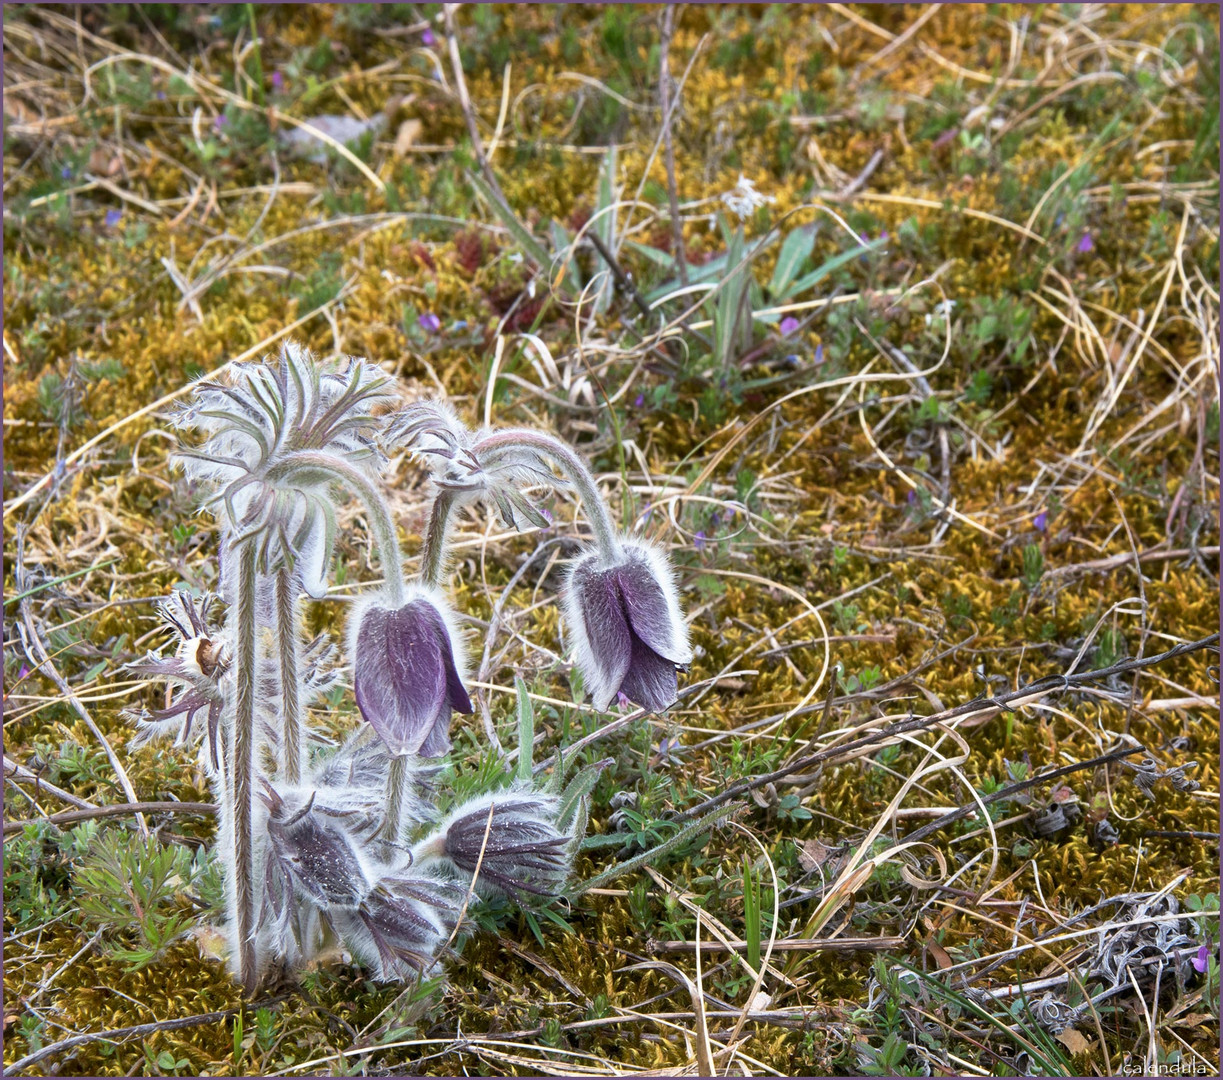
[{"x": 362, "y": 842}]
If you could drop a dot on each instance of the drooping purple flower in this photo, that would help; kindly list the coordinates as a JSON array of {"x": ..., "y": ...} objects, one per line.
[
  {"x": 819, "y": 354},
  {"x": 428, "y": 39},
  {"x": 430, "y": 323},
  {"x": 219, "y": 121},
  {"x": 1202, "y": 961},
  {"x": 405, "y": 675},
  {"x": 113, "y": 217},
  {"x": 66, "y": 172},
  {"x": 23, "y": 672},
  {"x": 788, "y": 326},
  {"x": 1041, "y": 522},
  {"x": 698, "y": 541},
  {"x": 1085, "y": 244},
  {"x": 521, "y": 851},
  {"x": 622, "y": 699},
  {"x": 278, "y": 81},
  {"x": 626, "y": 628},
  {"x": 638, "y": 401}
]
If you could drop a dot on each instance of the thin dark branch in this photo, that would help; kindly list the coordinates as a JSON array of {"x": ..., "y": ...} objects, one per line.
[
  {"x": 117, "y": 1035},
  {"x": 1048, "y": 685},
  {"x": 668, "y": 110},
  {"x": 1014, "y": 789},
  {"x": 621, "y": 277},
  {"x": 68, "y": 817},
  {"x": 469, "y": 114}
]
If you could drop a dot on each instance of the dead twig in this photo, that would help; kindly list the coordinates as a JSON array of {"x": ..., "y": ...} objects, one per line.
[
  {"x": 69, "y": 817},
  {"x": 1050, "y": 684}
]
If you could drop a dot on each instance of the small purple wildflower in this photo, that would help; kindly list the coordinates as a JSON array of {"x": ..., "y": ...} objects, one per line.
[
  {"x": 1202, "y": 961},
  {"x": 278, "y": 81},
  {"x": 430, "y": 323},
  {"x": 819, "y": 354},
  {"x": 428, "y": 39},
  {"x": 546, "y": 514},
  {"x": 113, "y": 217},
  {"x": 622, "y": 699},
  {"x": 23, "y": 671},
  {"x": 912, "y": 496},
  {"x": 66, "y": 172},
  {"x": 1085, "y": 244},
  {"x": 160, "y": 95},
  {"x": 698, "y": 541},
  {"x": 1041, "y": 521},
  {"x": 638, "y": 401},
  {"x": 788, "y": 325},
  {"x": 884, "y": 236},
  {"x": 219, "y": 122}
]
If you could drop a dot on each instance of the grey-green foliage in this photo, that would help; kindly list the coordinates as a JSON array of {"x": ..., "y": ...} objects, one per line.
[{"x": 128, "y": 886}]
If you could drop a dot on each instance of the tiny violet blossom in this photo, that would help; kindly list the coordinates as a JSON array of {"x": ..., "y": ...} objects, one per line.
[
  {"x": 627, "y": 632},
  {"x": 428, "y": 38},
  {"x": 430, "y": 323},
  {"x": 788, "y": 326},
  {"x": 220, "y": 121},
  {"x": 638, "y": 401},
  {"x": 278, "y": 81},
  {"x": 66, "y": 172},
  {"x": 113, "y": 217},
  {"x": 819, "y": 354},
  {"x": 406, "y": 672},
  {"x": 1202, "y": 961},
  {"x": 1041, "y": 522},
  {"x": 1085, "y": 244},
  {"x": 698, "y": 541}
]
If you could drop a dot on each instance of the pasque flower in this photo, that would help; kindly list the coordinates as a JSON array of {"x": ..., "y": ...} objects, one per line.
[
  {"x": 512, "y": 836},
  {"x": 406, "y": 672},
  {"x": 626, "y": 629}
]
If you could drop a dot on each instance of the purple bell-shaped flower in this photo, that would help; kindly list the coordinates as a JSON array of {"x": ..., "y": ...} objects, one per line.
[
  {"x": 406, "y": 665},
  {"x": 626, "y": 629}
]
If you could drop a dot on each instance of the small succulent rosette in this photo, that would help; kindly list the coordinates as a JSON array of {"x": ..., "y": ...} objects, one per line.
[
  {"x": 625, "y": 627},
  {"x": 408, "y": 670}
]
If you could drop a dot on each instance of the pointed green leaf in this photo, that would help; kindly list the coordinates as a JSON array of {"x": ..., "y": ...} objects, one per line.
[{"x": 526, "y": 731}]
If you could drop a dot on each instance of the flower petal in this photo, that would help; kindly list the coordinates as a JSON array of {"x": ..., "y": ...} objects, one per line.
[
  {"x": 597, "y": 595},
  {"x": 651, "y": 681},
  {"x": 399, "y": 675},
  {"x": 647, "y": 610}
]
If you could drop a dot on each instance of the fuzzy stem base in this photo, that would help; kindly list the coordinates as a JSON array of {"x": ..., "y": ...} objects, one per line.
[{"x": 242, "y": 763}]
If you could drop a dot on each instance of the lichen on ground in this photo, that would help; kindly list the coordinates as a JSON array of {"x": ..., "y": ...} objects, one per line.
[{"x": 1036, "y": 190}]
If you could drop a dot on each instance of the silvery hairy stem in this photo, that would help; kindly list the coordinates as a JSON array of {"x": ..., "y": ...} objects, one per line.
[
  {"x": 433, "y": 550},
  {"x": 576, "y": 472},
  {"x": 380, "y": 521},
  {"x": 287, "y": 645},
  {"x": 398, "y": 779},
  {"x": 242, "y": 749}
]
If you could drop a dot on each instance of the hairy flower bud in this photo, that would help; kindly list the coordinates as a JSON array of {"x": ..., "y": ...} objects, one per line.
[
  {"x": 625, "y": 626},
  {"x": 521, "y": 851},
  {"x": 406, "y": 675}
]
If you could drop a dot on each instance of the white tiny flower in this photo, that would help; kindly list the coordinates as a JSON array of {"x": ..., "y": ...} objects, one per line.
[{"x": 743, "y": 199}]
